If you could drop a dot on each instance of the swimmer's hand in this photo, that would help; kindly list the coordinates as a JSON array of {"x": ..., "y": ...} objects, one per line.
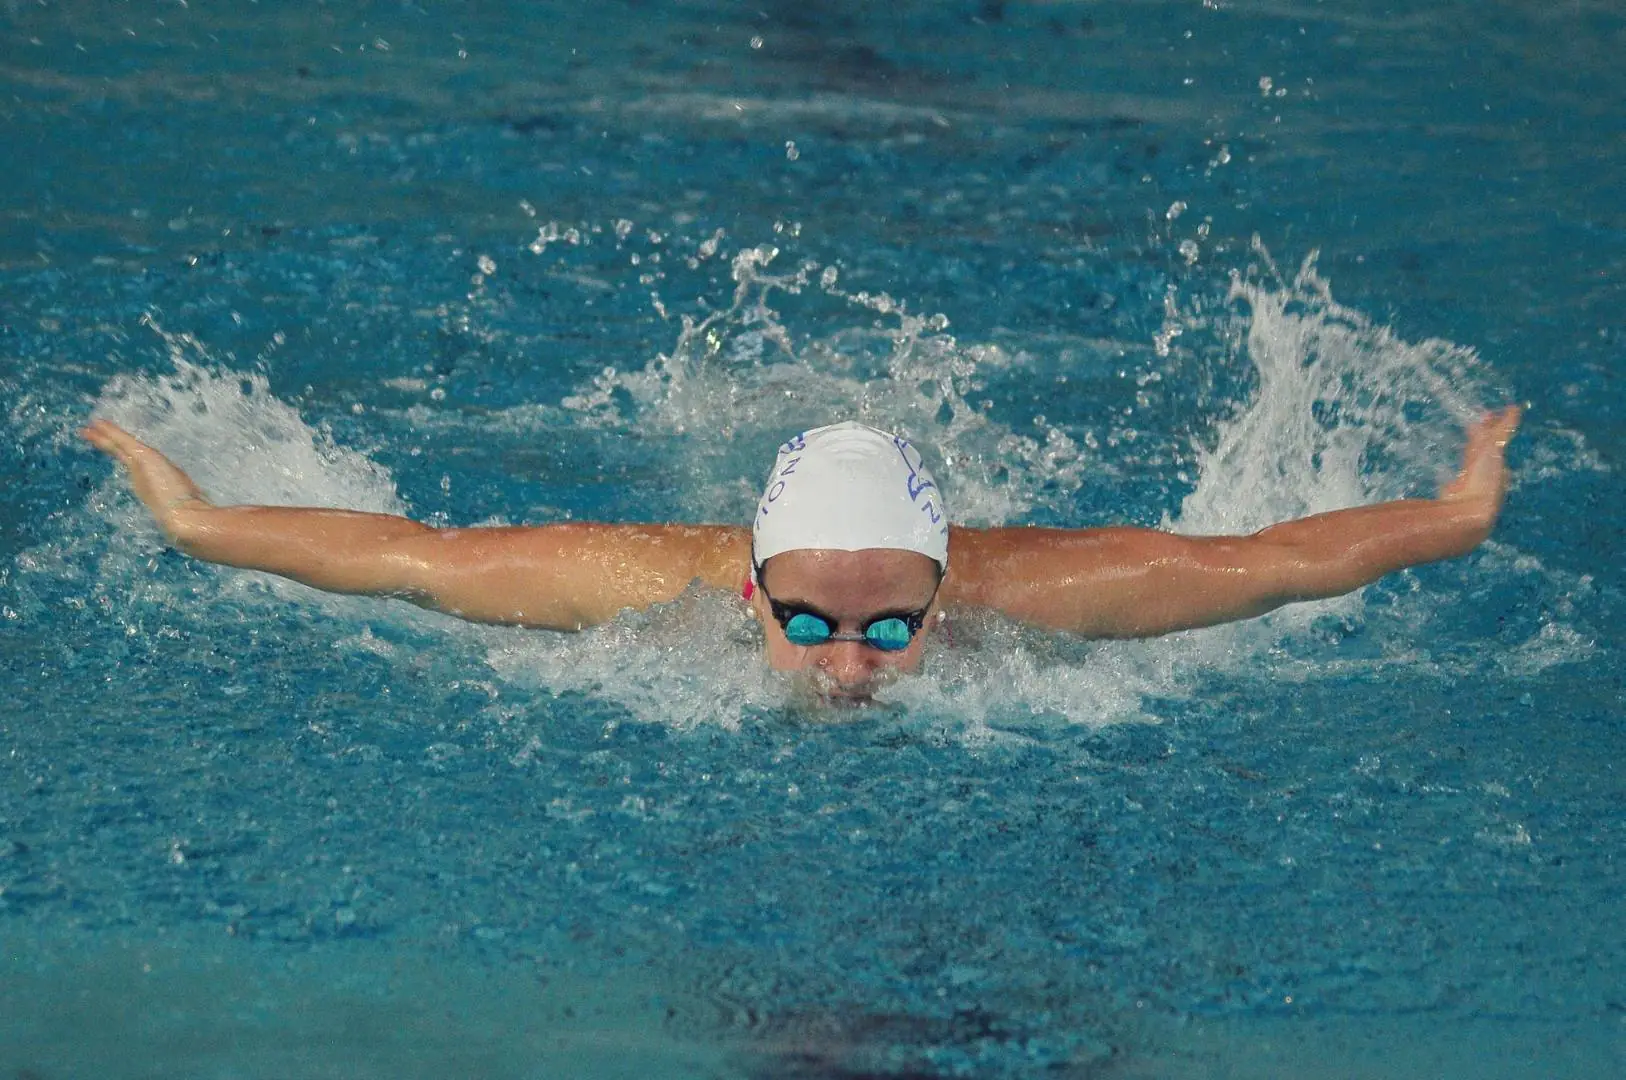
[
  {"x": 168, "y": 493},
  {"x": 1482, "y": 483}
]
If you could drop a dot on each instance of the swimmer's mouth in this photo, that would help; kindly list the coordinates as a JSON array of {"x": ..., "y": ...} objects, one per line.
[
  {"x": 826, "y": 692},
  {"x": 829, "y": 693},
  {"x": 848, "y": 699}
]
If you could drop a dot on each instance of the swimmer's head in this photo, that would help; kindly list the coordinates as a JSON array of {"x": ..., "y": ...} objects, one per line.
[
  {"x": 850, "y": 487},
  {"x": 878, "y": 605},
  {"x": 857, "y": 536}
]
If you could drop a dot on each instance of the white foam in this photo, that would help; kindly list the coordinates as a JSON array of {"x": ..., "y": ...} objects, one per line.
[
  {"x": 689, "y": 663},
  {"x": 737, "y": 377},
  {"x": 238, "y": 441}
]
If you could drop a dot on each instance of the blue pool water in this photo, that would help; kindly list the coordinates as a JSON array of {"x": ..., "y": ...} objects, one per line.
[{"x": 1187, "y": 264}]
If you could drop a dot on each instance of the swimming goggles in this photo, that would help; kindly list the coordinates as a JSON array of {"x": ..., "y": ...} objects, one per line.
[{"x": 889, "y": 632}]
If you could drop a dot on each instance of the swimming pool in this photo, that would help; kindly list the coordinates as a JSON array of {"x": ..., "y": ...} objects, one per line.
[{"x": 543, "y": 261}]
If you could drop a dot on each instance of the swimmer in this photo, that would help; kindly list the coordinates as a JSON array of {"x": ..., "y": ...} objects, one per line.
[{"x": 850, "y": 560}]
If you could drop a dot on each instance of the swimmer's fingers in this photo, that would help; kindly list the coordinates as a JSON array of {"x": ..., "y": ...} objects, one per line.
[
  {"x": 113, "y": 440},
  {"x": 157, "y": 481},
  {"x": 1484, "y": 460}
]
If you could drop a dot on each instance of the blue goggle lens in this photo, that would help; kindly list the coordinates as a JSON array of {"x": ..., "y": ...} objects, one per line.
[
  {"x": 891, "y": 635},
  {"x": 805, "y": 629}
]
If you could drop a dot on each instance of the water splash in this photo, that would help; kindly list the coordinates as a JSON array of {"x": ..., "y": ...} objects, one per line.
[
  {"x": 1338, "y": 411},
  {"x": 691, "y": 663},
  {"x": 1343, "y": 412},
  {"x": 243, "y": 445},
  {"x": 239, "y": 441},
  {"x": 738, "y": 375}
]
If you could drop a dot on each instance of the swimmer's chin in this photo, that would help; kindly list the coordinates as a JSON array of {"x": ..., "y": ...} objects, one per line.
[
  {"x": 858, "y": 696},
  {"x": 817, "y": 698}
]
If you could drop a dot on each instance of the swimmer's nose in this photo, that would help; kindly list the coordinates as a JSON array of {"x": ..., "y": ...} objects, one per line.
[{"x": 850, "y": 665}]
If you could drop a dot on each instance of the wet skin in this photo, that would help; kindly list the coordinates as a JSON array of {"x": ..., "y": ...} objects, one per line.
[{"x": 850, "y": 588}]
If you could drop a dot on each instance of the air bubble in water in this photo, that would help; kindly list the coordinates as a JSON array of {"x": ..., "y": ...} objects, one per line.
[{"x": 545, "y": 235}]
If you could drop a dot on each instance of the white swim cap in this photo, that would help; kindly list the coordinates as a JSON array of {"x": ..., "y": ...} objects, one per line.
[{"x": 848, "y": 487}]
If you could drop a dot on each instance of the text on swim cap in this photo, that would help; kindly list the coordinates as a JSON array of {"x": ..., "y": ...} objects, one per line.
[
  {"x": 917, "y": 484},
  {"x": 777, "y": 488}
]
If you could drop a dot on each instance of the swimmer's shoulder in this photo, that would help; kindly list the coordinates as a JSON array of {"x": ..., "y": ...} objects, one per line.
[{"x": 975, "y": 556}]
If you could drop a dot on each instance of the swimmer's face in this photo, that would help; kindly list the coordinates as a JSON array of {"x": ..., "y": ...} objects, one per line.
[{"x": 848, "y": 588}]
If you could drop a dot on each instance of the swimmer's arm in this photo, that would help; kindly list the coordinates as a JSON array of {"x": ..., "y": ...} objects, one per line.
[
  {"x": 1123, "y": 582},
  {"x": 560, "y": 577}
]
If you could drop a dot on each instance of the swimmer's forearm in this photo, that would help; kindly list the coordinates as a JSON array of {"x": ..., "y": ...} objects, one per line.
[
  {"x": 1211, "y": 580},
  {"x": 1333, "y": 553},
  {"x": 341, "y": 551},
  {"x": 1338, "y": 552},
  {"x": 469, "y": 573}
]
